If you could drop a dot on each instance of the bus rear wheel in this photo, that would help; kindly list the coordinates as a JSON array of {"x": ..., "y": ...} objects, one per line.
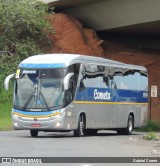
[
  {"x": 129, "y": 129},
  {"x": 34, "y": 133},
  {"x": 130, "y": 124}
]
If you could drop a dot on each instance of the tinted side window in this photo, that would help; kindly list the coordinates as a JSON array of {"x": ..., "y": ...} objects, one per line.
[
  {"x": 144, "y": 81},
  {"x": 111, "y": 77},
  {"x": 130, "y": 79},
  {"x": 94, "y": 76}
]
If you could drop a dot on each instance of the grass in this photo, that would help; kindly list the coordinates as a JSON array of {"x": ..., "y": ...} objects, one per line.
[
  {"x": 151, "y": 136},
  {"x": 5, "y": 116},
  {"x": 151, "y": 126}
]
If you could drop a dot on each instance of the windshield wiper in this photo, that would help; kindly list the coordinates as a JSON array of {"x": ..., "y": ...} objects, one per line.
[
  {"x": 29, "y": 99},
  {"x": 31, "y": 96},
  {"x": 44, "y": 100}
]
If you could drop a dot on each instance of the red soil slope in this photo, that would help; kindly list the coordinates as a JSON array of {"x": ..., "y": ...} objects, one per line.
[{"x": 71, "y": 37}]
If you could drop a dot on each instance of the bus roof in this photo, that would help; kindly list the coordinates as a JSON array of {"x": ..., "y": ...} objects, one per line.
[{"x": 63, "y": 60}]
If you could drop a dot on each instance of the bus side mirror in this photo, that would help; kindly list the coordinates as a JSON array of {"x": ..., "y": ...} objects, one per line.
[
  {"x": 66, "y": 81},
  {"x": 7, "y": 79}
]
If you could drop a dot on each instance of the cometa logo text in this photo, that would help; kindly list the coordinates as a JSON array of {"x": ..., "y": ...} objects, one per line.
[{"x": 101, "y": 95}]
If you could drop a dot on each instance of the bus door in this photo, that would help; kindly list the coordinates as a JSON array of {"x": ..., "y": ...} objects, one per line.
[
  {"x": 98, "y": 94},
  {"x": 81, "y": 104},
  {"x": 111, "y": 105}
]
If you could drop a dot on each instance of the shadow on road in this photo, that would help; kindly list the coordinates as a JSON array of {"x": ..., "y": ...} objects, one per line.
[{"x": 70, "y": 134}]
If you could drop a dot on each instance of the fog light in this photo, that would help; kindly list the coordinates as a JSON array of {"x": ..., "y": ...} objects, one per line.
[
  {"x": 15, "y": 124},
  {"x": 58, "y": 124}
]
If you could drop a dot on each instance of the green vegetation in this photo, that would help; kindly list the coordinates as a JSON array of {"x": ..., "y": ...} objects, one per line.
[
  {"x": 151, "y": 136},
  {"x": 24, "y": 30},
  {"x": 23, "y": 25},
  {"x": 151, "y": 126},
  {"x": 5, "y": 116}
]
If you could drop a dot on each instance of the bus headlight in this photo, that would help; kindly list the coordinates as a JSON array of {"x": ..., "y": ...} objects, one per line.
[
  {"x": 57, "y": 116},
  {"x": 15, "y": 116}
]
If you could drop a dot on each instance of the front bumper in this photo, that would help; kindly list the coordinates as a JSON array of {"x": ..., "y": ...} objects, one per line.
[{"x": 57, "y": 122}]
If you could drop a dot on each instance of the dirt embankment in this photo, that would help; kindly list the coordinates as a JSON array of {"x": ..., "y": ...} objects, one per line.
[{"x": 71, "y": 37}]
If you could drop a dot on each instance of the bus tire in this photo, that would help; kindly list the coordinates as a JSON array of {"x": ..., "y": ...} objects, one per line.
[
  {"x": 34, "y": 133},
  {"x": 128, "y": 130},
  {"x": 79, "y": 131},
  {"x": 130, "y": 125}
]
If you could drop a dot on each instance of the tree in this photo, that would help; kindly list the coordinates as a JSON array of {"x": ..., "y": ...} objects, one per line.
[{"x": 23, "y": 30}]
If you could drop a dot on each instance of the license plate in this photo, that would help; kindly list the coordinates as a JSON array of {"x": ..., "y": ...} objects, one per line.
[{"x": 36, "y": 125}]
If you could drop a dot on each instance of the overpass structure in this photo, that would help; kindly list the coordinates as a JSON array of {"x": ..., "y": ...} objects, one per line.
[
  {"x": 135, "y": 22},
  {"x": 138, "y": 18}
]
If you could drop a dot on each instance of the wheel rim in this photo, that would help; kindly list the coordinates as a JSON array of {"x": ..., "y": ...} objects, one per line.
[
  {"x": 81, "y": 125},
  {"x": 130, "y": 125}
]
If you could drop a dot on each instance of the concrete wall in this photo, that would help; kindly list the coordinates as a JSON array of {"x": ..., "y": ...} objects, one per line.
[{"x": 108, "y": 14}]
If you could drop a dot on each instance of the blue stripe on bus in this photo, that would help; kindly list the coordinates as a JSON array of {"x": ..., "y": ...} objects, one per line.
[
  {"x": 112, "y": 95},
  {"x": 32, "y": 113},
  {"x": 38, "y": 66}
]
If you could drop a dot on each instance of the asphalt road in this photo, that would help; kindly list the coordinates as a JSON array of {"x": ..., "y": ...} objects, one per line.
[{"x": 105, "y": 144}]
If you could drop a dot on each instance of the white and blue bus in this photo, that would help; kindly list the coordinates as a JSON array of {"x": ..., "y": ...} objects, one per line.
[{"x": 83, "y": 94}]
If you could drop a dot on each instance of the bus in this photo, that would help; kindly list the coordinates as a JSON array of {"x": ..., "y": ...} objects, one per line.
[{"x": 79, "y": 93}]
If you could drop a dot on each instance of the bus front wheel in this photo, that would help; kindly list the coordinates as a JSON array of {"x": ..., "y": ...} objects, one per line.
[
  {"x": 34, "y": 133},
  {"x": 81, "y": 125}
]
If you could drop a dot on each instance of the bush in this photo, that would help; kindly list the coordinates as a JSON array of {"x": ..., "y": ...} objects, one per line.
[
  {"x": 23, "y": 30},
  {"x": 151, "y": 126},
  {"x": 8, "y": 66},
  {"x": 151, "y": 136},
  {"x": 22, "y": 21}
]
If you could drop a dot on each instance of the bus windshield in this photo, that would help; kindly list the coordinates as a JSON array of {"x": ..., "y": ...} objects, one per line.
[{"x": 39, "y": 89}]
